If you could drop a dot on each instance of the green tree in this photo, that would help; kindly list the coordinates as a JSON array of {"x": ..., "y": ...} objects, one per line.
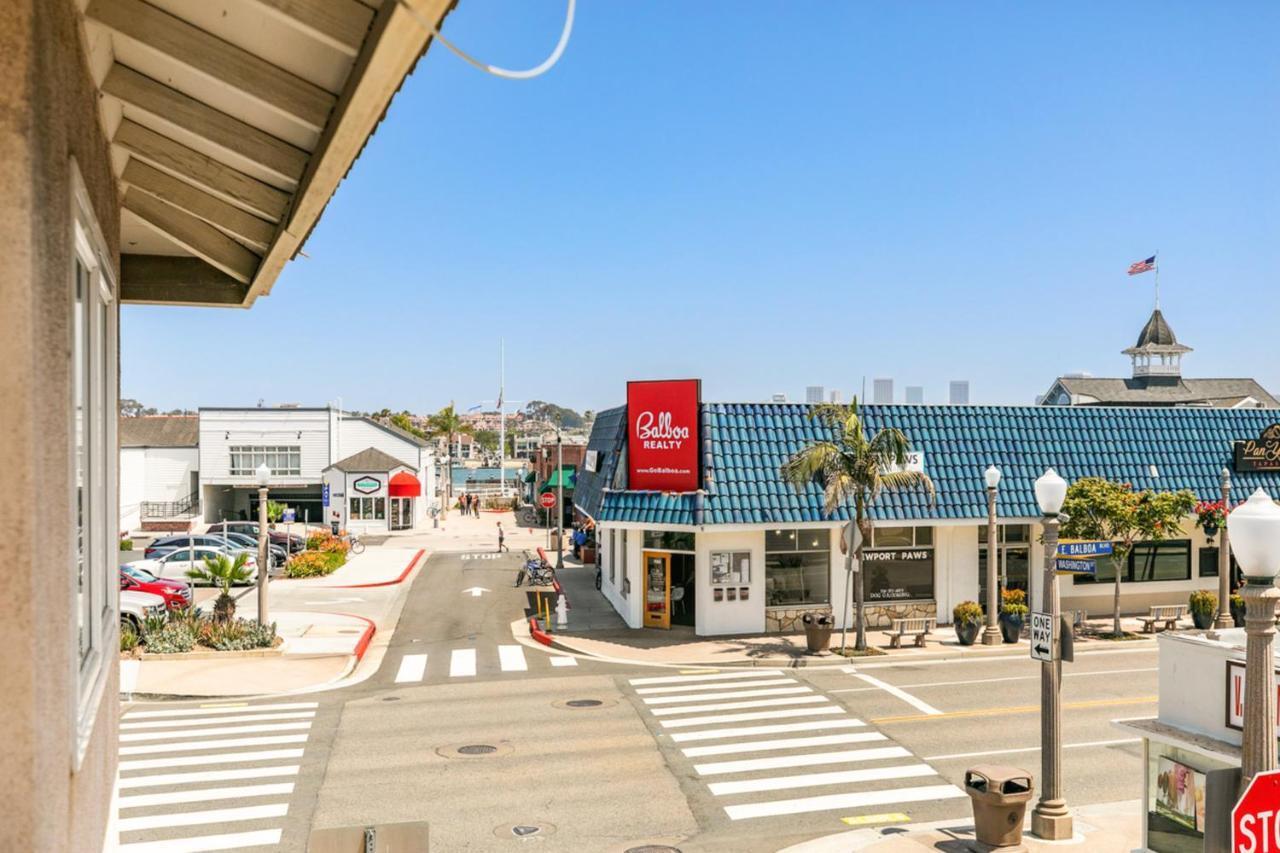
[
  {"x": 852, "y": 470},
  {"x": 404, "y": 422},
  {"x": 275, "y": 510},
  {"x": 446, "y": 424},
  {"x": 224, "y": 573},
  {"x": 487, "y": 439},
  {"x": 1100, "y": 509}
]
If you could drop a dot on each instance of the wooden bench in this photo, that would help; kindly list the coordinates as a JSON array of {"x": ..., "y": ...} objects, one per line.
[
  {"x": 1169, "y": 614},
  {"x": 919, "y": 628}
]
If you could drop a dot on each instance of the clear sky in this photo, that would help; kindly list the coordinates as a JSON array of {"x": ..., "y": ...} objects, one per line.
[{"x": 769, "y": 195}]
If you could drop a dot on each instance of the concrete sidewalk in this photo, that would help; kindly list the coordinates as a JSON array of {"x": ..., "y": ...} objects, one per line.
[{"x": 377, "y": 566}]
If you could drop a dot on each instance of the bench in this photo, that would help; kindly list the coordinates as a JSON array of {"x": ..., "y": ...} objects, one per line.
[
  {"x": 1169, "y": 614},
  {"x": 919, "y": 628}
]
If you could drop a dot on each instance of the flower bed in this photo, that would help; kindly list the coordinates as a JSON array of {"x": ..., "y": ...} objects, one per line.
[
  {"x": 325, "y": 554},
  {"x": 190, "y": 630}
]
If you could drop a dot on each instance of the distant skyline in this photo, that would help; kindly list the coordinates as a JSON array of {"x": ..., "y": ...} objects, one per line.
[{"x": 926, "y": 192}]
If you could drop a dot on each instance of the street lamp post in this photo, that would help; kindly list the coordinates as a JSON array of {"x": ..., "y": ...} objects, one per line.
[
  {"x": 1050, "y": 819},
  {"x": 559, "y": 500},
  {"x": 1255, "y": 540},
  {"x": 991, "y": 634},
  {"x": 1224, "y": 619},
  {"x": 264, "y": 478}
]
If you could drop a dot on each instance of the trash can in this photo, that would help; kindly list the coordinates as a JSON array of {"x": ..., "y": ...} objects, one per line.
[
  {"x": 817, "y": 631},
  {"x": 1000, "y": 796},
  {"x": 335, "y": 526}
]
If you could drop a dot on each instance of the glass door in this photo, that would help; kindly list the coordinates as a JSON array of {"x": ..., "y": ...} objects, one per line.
[
  {"x": 657, "y": 590},
  {"x": 401, "y": 514}
]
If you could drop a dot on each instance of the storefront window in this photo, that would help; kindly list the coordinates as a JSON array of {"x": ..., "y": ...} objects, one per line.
[
  {"x": 797, "y": 567},
  {"x": 1013, "y": 556},
  {"x": 284, "y": 461},
  {"x": 668, "y": 540},
  {"x": 1208, "y": 562},
  {"x": 368, "y": 509},
  {"x": 1168, "y": 560},
  {"x": 899, "y": 564}
]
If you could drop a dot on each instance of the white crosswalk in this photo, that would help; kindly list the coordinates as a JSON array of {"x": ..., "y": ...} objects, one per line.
[
  {"x": 467, "y": 662},
  {"x": 777, "y": 734},
  {"x": 224, "y": 793}
]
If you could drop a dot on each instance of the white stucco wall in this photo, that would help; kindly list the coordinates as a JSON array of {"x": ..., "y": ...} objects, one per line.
[
  {"x": 729, "y": 617},
  {"x": 221, "y": 429},
  {"x": 133, "y": 482}
]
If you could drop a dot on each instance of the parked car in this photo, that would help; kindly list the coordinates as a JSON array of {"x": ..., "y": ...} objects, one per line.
[
  {"x": 279, "y": 556},
  {"x": 175, "y": 593},
  {"x": 292, "y": 541},
  {"x": 168, "y": 544},
  {"x": 136, "y": 606},
  {"x": 176, "y": 564}
]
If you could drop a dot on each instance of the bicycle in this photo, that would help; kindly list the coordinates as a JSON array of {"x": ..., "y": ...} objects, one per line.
[{"x": 357, "y": 547}]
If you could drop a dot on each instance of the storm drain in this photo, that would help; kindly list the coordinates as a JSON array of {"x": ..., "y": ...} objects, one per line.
[
  {"x": 477, "y": 749},
  {"x": 536, "y": 831},
  {"x": 524, "y": 830},
  {"x": 584, "y": 703}
]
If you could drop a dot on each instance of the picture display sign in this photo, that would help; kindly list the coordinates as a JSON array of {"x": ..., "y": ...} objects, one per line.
[
  {"x": 1261, "y": 453},
  {"x": 1235, "y": 695},
  {"x": 662, "y": 435}
]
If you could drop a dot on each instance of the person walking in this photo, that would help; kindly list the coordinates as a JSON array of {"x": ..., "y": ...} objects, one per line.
[
  {"x": 462, "y": 502},
  {"x": 475, "y": 505},
  {"x": 502, "y": 535}
]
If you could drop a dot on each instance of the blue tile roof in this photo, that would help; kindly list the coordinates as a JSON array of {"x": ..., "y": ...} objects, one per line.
[{"x": 745, "y": 444}]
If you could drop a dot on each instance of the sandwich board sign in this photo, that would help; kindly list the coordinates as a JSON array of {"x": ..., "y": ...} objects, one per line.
[{"x": 1042, "y": 645}]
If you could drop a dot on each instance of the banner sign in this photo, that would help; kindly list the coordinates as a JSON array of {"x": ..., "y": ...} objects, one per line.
[
  {"x": 367, "y": 485},
  {"x": 1261, "y": 453},
  {"x": 662, "y": 435}
]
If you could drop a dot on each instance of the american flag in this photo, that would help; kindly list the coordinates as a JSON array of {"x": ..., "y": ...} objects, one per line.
[{"x": 1142, "y": 266}]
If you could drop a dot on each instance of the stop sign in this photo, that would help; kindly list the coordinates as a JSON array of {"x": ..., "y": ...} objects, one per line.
[
  {"x": 1255, "y": 820},
  {"x": 547, "y": 499}
]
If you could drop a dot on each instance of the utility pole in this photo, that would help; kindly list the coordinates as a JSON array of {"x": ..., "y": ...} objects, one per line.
[
  {"x": 559, "y": 499},
  {"x": 1224, "y": 619}
]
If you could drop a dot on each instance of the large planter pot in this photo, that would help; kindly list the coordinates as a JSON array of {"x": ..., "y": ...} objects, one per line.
[
  {"x": 1011, "y": 627},
  {"x": 588, "y": 554},
  {"x": 1202, "y": 620},
  {"x": 1210, "y": 531},
  {"x": 967, "y": 632},
  {"x": 1237, "y": 614}
]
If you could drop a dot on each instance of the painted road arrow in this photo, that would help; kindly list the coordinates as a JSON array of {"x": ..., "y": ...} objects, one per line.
[{"x": 476, "y": 591}]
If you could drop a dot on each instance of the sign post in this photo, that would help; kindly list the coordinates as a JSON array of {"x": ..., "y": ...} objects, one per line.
[
  {"x": 547, "y": 500},
  {"x": 1043, "y": 647},
  {"x": 1254, "y": 826}
]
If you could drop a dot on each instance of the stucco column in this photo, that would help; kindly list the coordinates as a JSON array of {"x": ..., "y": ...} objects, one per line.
[
  {"x": 1050, "y": 818},
  {"x": 991, "y": 634},
  {"x": 1259, "y": 738},
  {"x": 264, "y": 555},
  {"x": 1224, "y": 619}
]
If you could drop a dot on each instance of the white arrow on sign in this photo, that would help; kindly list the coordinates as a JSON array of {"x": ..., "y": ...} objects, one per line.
[{"x": 476, "y": 591}]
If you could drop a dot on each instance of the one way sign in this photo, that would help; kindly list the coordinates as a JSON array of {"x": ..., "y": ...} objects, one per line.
[{"x": 1042, "y": 645}]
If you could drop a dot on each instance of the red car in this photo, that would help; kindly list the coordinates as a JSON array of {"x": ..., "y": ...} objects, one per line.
[{"x": 175, "y": 593}]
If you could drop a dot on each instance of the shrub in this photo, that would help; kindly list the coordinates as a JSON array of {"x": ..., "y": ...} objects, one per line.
[
  {"x": 312, "y": 564},
  {"x": 171, "y": 639},
  {"x": 1203, "y": 601},
  {"x": 237, "y": 635},
  {"x": 128, "y": 639},
  {"x": 126, "y": 544},
  {"x": 1237, "y": 601},
  {"x": 1013, "y": 602},
  {"x": 967, "y": 612}
]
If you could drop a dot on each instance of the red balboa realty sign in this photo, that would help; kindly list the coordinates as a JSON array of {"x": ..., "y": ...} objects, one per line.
[{"x": 662, "y": 435}]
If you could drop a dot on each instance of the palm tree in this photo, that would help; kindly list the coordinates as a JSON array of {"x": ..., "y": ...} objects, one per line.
[
  {"x": 448, "y": 423},
  {"x": 221, "y": 571},
  {"x": 852, "y": 471}
]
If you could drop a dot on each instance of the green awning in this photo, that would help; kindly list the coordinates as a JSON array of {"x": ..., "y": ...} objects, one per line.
[
  {"x": 531, "y": 476},
  {"x": 566, "y": 475}
]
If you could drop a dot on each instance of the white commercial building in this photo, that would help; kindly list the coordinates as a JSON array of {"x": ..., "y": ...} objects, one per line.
[{"x": 159, "y": 471}]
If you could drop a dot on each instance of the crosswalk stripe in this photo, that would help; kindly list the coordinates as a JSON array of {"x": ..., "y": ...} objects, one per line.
[
  {"x": 184, "y": 725},
  {"x": 780, "y": 728},
  {"x": 723, "y": 685},
  {"x": 733, "y": 706},
  {"x": 161, "y": 821},
  {"x": 563, "y": 660},
  {"x": 843, "y": 801},
  {"x": 158, "y": 779},
  {"x": 511, "y": 659},
  {"x": 165, "y": 798},
  {"x": 135, "y": 737},
  {"x": 733, "y": 694},
  {"x": 462, "y": 663},
  {"x": 412, "y": 668},
  {"x": 203, "y": 843},
  {"x": 218, "y": 711},
  {"x": 809, "y": 780},
  {"x": 753, "y": 715},
  {"x": 782, "y": 743},
  {"x": 719, "y": 676},
  {"x": 202, "y": 760},
  {"x": 846, "y": 756},
  {"x": 187, "y": 746}
]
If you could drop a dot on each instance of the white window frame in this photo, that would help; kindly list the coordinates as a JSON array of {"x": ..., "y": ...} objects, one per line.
[
  {"x": 98, "y": 345},
  {"x": 244, "y": 459}
]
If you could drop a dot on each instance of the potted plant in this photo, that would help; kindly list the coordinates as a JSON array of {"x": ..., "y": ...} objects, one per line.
[
  {"x": 1237, "y": 609},
  {"x": 1013, "y": 613},
  {"x": 967, "y": 618},
  {"x": 1203, "y": 605},
  {"x": 1210, "y": 517}
]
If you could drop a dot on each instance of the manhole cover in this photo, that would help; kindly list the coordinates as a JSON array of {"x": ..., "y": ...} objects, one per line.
[
  {"x": 476, "y": 749},
  {"x": 584, "y": 703},
  {"x": 523, "y": 830},
  {"x": 653, "y": 848}
]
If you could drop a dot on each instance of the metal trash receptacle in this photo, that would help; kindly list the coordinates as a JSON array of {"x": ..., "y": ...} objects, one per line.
[
  {"x": 1000, "y": 795},
  {"x": 817, "y": 631}
]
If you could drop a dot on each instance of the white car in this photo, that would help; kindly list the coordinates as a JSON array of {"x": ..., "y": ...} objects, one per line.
[
  {"x": 135, "y": 607},
  {"x": 176, "y": 564}
]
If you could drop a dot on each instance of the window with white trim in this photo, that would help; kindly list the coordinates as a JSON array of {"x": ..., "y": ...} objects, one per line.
[
  {"x": 284, "y": 460},
  {"x": 93, "y": 459},
  {"x": 368, "y": 509}
]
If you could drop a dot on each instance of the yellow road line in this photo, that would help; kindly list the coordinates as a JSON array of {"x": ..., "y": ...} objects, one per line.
[{"x": 1017, "y": 709}]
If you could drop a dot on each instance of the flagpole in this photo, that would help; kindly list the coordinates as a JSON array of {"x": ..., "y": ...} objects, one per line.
[
  {"x": 502, "y": 416},
  {"x": 1157, "y": 279}
]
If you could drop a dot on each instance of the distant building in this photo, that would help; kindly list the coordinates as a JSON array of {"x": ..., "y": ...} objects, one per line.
[
  {"x": 778, "y": 398},
  {"x": 882, "y": 392},
  {"x": 1157, "y": 380},
  {"x": 835, "y": 397},
  {"x": 814, "y": 394},
  {"x": 958, "y": 395},
  {"x": 915, "y": 394}
]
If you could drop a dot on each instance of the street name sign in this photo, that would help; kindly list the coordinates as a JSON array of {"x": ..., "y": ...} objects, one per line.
[
  {"x": 1042, "y": 645},
  {"x": 1071, "y": 548},
  {"x": 1255, "y": 827},
  {"x": 547, "y": 499},
  {"x": 1078, "y": 567}
]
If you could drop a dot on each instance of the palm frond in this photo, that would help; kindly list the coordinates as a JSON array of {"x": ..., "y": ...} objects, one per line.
[
  {"x": 810, "y": 463},
  {"x": 890, "y": 446},
  {"x": 896, "y": 480}
]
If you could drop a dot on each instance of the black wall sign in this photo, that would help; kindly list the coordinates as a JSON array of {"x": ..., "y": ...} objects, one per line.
[{"x": 1261, "y": 453}]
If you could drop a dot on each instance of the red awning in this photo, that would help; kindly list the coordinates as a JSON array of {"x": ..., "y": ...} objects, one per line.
[{"x": 405, "y": 485}]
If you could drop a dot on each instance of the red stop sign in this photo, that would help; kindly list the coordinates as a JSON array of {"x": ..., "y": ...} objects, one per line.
[
  {"x": 1255, "y": 820},
  {"x": 547, "y": 499}
]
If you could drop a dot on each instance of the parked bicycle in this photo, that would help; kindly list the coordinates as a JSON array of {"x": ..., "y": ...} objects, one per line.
[
  {"x": 357, "y": 547},
  {"x": 537, "y": 571}
]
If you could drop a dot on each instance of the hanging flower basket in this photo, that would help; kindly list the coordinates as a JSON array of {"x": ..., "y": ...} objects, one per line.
[{"x": 1210, "y": 517}]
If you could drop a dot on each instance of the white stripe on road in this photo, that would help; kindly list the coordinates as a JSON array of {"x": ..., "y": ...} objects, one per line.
[
  {"x": 200, "y": 818},
  {"x": 992, "y": 680},
  {"x": 201, "y": 795},
  {"x": 919, "y": 705},
  {"x": 732, "y": 694},
  {"x": 733, "y": 706},
  {"x": 754, "y": 715},
  {"x": 843, "y": 801},
  {"x": 207, "y": 776},
  {"x": 412, "y": 668},
  {"x": 563, "y": 660},
  {"x": 719, "y": 676},
  {"x": 511, "y": 659},
  {"x": 1033, "y": 749},
  {"x": 462, "y": 663},
  {"x": 225, "y": 730},
  {"x": 808, "y": 780},
  {"x": 211, "y": 744},
  {"x": 780, "y": 728},
  {"x": 220, "y": 709},
  {"x": 183, "y": 725},
  {"x": 202, "y": 760},
  {"x": 782, "y": 743},
  {"x": 725, "y": 685},
  {"x": 204, "y": 843},
  {"x": 845, "y": 757}
]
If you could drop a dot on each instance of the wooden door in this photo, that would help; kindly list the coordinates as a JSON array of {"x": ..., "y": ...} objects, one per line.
[{"x": 657, "y": 590}]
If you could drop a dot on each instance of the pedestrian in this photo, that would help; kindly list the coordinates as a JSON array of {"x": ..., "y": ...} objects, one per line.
[
  {"x": 462, "y": 502},
  {"x": 579, "y": 539},
  {"x": 475, "y": 503},
  {"x": 502, "y": 535}
]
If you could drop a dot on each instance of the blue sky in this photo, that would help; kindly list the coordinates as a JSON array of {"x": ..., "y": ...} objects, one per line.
[{"x": 772, "y": 195}]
